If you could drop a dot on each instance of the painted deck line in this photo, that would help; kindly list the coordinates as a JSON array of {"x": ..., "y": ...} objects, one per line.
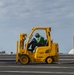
[
  {"x": 35, "y": 67},
  {"x": 37, "y": 72}
]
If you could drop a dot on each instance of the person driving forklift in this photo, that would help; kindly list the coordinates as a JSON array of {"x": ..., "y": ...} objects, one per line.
[{"x": 38, "y": 42}]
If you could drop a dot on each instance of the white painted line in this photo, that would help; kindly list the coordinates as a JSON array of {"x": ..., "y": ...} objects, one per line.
[
  {"x": 37, "y": 72},
  {"x": 14, "y": 59},
  {"x": 66, "y": 56},
  {"x": 66, "y": 59},
  {"x": 7, "y": 59},
  {"x": 35, "y": 67}
]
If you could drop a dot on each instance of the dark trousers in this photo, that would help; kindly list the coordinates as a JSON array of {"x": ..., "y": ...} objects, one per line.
[{"x": 33, "y": 44}]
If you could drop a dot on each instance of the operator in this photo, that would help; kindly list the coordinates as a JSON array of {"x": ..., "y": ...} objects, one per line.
[{"x": 38, "y": 42}]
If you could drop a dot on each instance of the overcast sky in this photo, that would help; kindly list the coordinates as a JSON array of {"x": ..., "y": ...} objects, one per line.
[{"x": 18, "y": 16}]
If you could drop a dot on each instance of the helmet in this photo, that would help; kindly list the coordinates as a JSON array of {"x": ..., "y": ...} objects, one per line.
[{"x": 37, "y": 35}]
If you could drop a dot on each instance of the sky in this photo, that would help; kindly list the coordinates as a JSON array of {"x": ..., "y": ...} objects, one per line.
[{"x": 20, "y": 16}]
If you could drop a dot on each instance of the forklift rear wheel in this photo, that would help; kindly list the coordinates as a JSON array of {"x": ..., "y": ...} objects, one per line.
[
  {"x": 49, "y": 60},
  {"x": 24, "y": 59}
]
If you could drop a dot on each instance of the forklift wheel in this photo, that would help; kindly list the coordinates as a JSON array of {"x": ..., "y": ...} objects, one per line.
[
  {"x": 49, "y": 60},
  {"x": 24, "y": 59}
]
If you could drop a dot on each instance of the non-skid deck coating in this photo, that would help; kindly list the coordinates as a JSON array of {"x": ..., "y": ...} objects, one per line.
[{"x": 65, "y": 66}]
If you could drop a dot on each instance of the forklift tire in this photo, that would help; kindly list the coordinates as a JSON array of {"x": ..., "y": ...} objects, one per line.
[
  {"x": 24, "y": 59},
  {"x": 49, "y": 60}
]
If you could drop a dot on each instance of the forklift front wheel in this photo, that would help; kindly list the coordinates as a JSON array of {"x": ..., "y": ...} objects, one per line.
[
  {"x": 49, "y": 60},
  {"x": 24, "y": 59}
]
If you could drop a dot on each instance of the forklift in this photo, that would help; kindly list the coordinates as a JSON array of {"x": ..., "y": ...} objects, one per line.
[{"x": 48, "y": 53}]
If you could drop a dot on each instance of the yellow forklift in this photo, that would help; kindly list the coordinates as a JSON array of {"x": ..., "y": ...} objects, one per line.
[{"x": 48, "y": 53}]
